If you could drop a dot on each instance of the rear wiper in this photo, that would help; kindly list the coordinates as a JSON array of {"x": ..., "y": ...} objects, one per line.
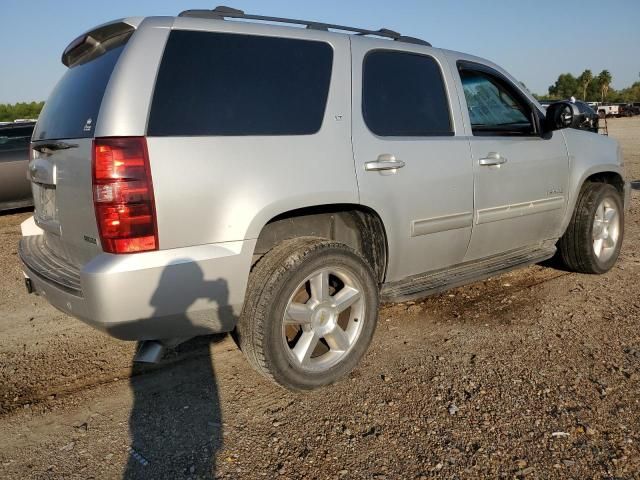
[{"x": 53, "y": 146}]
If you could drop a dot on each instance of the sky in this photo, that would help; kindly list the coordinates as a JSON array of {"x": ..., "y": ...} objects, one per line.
[{"x": 535, "y": 40}]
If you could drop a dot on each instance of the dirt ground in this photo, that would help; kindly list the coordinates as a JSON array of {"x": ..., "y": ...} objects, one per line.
[{"x": 532, "y": 374}]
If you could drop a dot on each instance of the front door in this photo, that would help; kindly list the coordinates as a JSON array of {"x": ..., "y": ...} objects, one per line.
[
  {"x": 413, "y": 167},
  {"x": 520, "y": 175}
]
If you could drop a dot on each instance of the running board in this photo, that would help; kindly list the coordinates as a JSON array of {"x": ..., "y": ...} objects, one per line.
[{"x": 425, "y": 284}]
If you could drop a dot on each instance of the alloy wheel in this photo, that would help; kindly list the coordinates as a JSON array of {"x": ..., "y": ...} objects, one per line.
[
  {"x": 606, "y": 229},
  {"x": 323, "y": 319}
]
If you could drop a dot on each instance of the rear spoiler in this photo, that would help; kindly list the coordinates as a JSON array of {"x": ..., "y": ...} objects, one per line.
[{"x": 98, "y": 41}]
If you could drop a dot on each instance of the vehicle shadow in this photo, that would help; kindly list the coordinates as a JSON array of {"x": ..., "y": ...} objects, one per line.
[
  {"x": 635, "y": 184},
  {"x": 176, "y": 422},
  {"x": 15, "y": 211}
]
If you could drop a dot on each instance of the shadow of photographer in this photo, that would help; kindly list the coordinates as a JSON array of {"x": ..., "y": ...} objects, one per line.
[{"x": 176, "y": 422}]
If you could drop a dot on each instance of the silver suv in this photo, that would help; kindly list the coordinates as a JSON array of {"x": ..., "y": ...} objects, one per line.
[{"x": 215, "y": 173}]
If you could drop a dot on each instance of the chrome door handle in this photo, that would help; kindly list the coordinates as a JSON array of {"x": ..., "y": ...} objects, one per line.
[
  {"x": 492, "y": 158},
  {"x": 384, "y": 162}
]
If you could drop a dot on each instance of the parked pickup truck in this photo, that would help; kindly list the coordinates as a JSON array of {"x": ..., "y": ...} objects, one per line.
[
  {"x": 608, "y": 111},
  {"x": 197, "y": 174}
]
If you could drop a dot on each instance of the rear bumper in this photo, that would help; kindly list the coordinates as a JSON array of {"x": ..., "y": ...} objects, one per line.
[{"x": 166, "y": 294}]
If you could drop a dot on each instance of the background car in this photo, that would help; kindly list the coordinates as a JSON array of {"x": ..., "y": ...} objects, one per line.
[
  {"x": 608, "y": 110},
  {"x": 627, "y": 110},
  {"x": 591, "y": 117},
  {"x": 15, "y": 188}
]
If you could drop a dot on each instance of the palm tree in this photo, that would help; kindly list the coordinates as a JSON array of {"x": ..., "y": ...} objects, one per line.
[
  {"x": 585, "y": 79},
  {"x": 604, "y": 78}
]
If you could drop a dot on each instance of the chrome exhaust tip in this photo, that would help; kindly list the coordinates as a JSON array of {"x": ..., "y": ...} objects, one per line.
[{"x": 150, "y": 351}]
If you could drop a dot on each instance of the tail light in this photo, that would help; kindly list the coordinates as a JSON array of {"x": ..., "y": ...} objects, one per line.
[{"x": 123, "y": 195}]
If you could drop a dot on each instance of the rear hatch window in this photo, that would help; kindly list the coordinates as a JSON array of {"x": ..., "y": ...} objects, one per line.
[
  {"x": 72, "y": 108},
  {"x": 60, "y": 170}
]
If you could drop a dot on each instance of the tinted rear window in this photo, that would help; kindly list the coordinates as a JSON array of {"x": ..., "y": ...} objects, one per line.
[
  {"x": 15, "y": 138},
  {"x": 403, "y": 94},
  {"x": 231, "y": 84},
  {"x": 72, "y": 108}
]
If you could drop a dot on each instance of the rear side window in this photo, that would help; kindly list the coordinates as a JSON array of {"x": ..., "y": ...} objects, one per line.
[
  {"x": 231, "y": 84},
  {"x": 15, "y": 138},
  {"x": 403, "y": 95},
  {"x": 72, "y": 108}
]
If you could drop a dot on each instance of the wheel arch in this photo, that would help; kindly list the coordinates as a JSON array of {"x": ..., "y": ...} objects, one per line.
[
  {"x": 358, "y": 226},
  {"x": 607, "y": 176},
  {"x": 610, "y": 174}
]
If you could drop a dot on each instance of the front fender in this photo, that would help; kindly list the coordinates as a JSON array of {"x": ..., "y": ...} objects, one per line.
[{"x": 590, "y": 154}]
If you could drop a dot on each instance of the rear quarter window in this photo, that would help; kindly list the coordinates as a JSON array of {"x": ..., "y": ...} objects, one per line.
[{"x": 222, "y": 84}]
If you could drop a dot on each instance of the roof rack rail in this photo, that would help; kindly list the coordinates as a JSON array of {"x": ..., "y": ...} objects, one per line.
[{"x": 222, "y": 12}]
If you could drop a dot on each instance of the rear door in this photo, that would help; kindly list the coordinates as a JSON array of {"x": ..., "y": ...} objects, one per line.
[
  {"x": 60, "y": 169},
  {"x": 412, "y": 163},
  {"x": 520, "y": 175}
]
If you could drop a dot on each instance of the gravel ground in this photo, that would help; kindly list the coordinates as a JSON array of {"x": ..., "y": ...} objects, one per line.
[{"x": 533, "y": 374}]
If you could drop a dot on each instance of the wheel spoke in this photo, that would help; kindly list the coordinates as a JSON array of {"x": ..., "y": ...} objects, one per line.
[
  {"x": 600, "y": 212},
  {"x": 610, "y": 216},
  {"x": 305, "y": 346},
  {"x": 320, "y": 286},
  {"x": 338, "y": 339},
  {"x": 608, "y": 242},
  {"x": 598, "y": 229},
  {"x": 597, "y": 246},
  {"x": 346, "y": 297},
  {"x": 298, "y": 314}
]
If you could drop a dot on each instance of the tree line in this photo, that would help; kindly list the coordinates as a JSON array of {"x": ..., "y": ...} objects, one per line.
[
  {"x": 591, "y": 88},
  {"x": 11, "y": 112}
]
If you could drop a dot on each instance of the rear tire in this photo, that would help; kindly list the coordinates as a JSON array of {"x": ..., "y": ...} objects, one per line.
[
  {"x": 594, "y": 236},
  {"x": 310, "y": 313}
]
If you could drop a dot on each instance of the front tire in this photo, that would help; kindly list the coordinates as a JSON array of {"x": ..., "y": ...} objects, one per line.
[
  {"x": 594, "y": 236},
  {"x": 310, "y": 313}
]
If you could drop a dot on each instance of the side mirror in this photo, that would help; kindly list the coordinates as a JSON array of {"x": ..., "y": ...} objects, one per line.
[{"x": 563, "y": 115}]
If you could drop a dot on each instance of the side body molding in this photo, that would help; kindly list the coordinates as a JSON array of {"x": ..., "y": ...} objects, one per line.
[
  {"x": 441, "y": 224},
  {"x": 505, "y": 212}
]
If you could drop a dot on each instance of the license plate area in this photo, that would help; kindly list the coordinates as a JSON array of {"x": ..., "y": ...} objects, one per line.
[{"x": 46, "y": 211}]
